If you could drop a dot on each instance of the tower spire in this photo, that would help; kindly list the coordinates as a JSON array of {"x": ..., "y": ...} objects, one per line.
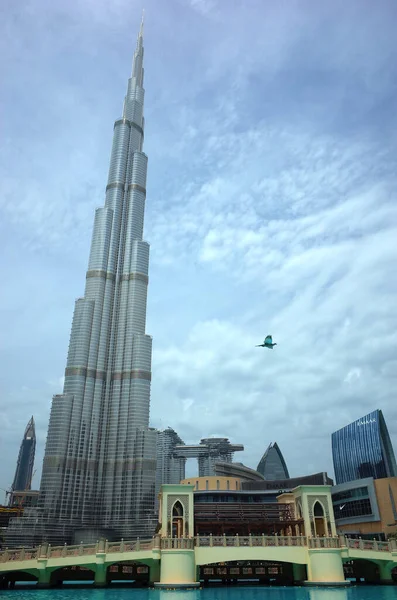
[
  {"x": 137, "y": 62},
  {"x": 142, "y": 23}
]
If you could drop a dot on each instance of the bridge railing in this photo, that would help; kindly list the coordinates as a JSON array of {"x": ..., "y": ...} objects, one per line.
[
  {"x": 324, "y": 542},
  {"x": 24, "y": 554},
  {"x": 250, "y": 541},
  {"x": 359, "y": 544},
  {"x": 103, "y": 546},
  {"x": 177, "y": 543}
]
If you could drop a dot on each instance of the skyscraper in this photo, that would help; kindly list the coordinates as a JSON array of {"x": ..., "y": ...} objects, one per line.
[
  {"x": 100, "y": 457},
  {"x": 363, "y": 449},
  {"x": 24, "y": 471},
  {"x": 170, "y": 468},
  {"x": 272, "y": 464},
  {"x": 208, "y": 452}
]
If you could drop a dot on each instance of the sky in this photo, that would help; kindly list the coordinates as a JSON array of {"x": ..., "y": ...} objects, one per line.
[{"x": 271, "y": 209}]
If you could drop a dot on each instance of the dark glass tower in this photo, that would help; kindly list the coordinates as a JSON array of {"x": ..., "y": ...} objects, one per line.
[
  {"x": 363, "y": 449},
  {"x": 23, "y": 472},
  {"x": 272, "y": 464}
]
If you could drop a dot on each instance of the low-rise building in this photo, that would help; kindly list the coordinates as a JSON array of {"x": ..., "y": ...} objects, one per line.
[{"x": 366, "y": 508}]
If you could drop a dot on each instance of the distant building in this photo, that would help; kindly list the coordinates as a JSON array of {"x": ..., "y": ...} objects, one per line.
[
  {"x": 223, "y": 506},
  {"x": 170, "y": 468},
  {"x": 366, "y": 508},
  {"x": 287, "y": 485},
  {"x": 24, "y": 471},
  {"x": 224, "y": 469},
  {"x": 272, "y": 464},
  {"x": 25, "y": 499},
  {"x": 208, "y": 452},
  {"x": 363, "y": 449}
]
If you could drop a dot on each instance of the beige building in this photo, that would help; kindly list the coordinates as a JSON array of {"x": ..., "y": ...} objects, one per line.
[
  {"x": 366, "y": 507},
  {"x": 213, "y": 483}
]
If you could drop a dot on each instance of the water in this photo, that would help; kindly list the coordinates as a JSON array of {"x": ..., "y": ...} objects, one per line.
[{"x": 221, "y": 593}]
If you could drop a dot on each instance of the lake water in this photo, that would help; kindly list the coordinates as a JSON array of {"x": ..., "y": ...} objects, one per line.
[{"x": 216, "y": 593}]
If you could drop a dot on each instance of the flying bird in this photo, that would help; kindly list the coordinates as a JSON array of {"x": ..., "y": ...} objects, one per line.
[{"x": 268, "y": 343}]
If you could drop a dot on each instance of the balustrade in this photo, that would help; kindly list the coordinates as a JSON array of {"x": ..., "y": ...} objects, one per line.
[
  {"x": 360, "y": 544},
  {"x": 177, "y": 543},
  {"x": 46, "y": 551}
]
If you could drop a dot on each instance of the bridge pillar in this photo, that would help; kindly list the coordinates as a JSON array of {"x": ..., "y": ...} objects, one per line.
[
  {"x": 178, "y": 569},
  {"x": 385, "y": 571},
  {"x": 299, "y": 572},
  {"x": 100, "y": 566},
  {"x": 325, "y": 567},
  {"x": 44, "y": 575},
  {"x": 154, "y": 572},
  {"x": 100, "y": 575}
]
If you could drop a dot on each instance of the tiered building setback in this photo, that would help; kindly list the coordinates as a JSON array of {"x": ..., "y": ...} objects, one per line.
[{"x": 100, "y": 457}]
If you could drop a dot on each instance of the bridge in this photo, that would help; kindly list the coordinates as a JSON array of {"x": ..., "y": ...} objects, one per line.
[{"x": 166, "y": 557}]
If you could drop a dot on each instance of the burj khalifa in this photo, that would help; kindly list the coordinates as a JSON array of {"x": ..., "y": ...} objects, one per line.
[{"x": 100, "y": 456}]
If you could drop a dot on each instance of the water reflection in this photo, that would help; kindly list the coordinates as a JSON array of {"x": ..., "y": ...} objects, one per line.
[
  {"x": 329, "y": 594},
  {"x": 275, "y": 593},
  {"x": 176, "y": 595}
]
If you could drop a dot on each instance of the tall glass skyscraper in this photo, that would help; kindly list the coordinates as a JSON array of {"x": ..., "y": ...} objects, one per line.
[
  {"x": 100, "y": 457},
  {"x": 363, "y": 449},
  {"x": 24, "y": 471},
  {"x": 272, "y": 464}
]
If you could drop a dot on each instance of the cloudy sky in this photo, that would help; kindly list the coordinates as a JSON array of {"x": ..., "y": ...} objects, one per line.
[{"x": 271, "y": 208}]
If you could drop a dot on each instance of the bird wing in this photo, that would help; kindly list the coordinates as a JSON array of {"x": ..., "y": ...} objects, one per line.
[{"x": 268, "y": 339}]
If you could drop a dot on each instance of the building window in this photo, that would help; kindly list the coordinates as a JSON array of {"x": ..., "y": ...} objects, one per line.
[
  {"x": 228, "y": 485},
  {"x": 206, "y": 484},
  {"x": 236, "y": 485},
  {"x": 354, "y": 508},
  {"x": 217, "y": 484}
]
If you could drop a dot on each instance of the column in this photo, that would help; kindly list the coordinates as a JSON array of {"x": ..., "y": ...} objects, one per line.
[
  {"x": 299, "y": 572},
  {"x": 178, "y": 569},
  {"x": 154, "y": 573},
  {"x": 100, "y": 566},
  {"x": 385, "y": 571},
  {"x": 325, "y": 567}
]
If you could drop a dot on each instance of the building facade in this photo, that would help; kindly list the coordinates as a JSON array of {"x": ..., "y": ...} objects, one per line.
[
  {"x": 100, "y": 457},
  {"x": 272, "y": 464},
  {"x": 209, "y": 452},
  {"x": 239, "y": 470},
  {"x": 366, "y": 508},
  {"x": 170, "y": 468},
  {"x": 24, "y": 470},
  {"x": 363, "y": 449}
]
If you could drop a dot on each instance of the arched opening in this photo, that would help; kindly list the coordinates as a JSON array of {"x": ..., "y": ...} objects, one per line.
[
  {"x": 128, "y": 572},
  {"x": 177, "y": 520},
  {"x": 320, "y": 525},
  {"x": 17, "y": 578},
  {"x": 253, "y": 571},
  {"x": 362, "y": 571},
  {"x": 72, "y": 575}
]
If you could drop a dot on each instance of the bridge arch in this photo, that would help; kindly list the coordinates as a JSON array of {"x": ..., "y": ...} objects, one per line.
[
  {"x": 84, "y": 573},
  {"x": 369, "y": 570},
  {"x": 9, "y": 578},
  {"x": 288, "y": 554},
  {"x": 280, "y": 572}
]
